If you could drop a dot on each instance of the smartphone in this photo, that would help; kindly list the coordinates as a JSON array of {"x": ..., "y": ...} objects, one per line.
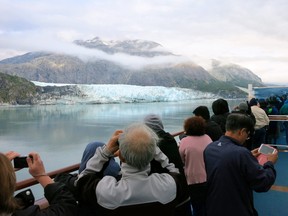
[
  {"x": 20, "y": 162},
  {"x": 266, "y": 149}
]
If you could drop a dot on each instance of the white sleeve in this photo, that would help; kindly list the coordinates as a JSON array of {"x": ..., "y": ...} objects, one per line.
[{"x": 164, "y": 161}]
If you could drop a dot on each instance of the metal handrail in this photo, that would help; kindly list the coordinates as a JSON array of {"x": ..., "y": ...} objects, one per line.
[
  {"x": 278, "y": 117},
  {"x": 32, "y": 181}
]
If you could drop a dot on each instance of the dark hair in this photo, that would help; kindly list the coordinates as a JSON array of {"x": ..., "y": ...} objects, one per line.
[
  {"x": 195, "y": 126},
  {"x": 253, "y": 102},
  {"x": 220, "y": 106},
  {"x": 202, "y": 111},
  {"x": 237, "y": 121}
]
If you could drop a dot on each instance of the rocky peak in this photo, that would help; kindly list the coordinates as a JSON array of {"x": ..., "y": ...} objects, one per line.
[
  {"x": 132, "y": 47},
  {"x": 234, "y": 74}
]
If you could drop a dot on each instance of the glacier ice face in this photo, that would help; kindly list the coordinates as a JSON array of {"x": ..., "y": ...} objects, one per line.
[{"x": 99, "y": 94}]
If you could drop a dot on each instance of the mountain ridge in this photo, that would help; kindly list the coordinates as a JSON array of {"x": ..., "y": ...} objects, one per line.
[{"x": 62, "y": 68}]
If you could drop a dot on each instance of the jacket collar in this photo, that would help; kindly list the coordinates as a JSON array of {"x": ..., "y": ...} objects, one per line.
[
  {"x": 226, "y": 138},
  {"x": 128, "y": 171}
]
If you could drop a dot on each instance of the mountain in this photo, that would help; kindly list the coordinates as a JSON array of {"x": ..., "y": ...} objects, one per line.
[
  {"x": 63, "y": 68},
  {"x": 131, "y": 47},
  {"x": 234, "y": 74},
  {"x": 16, "y": 90}
]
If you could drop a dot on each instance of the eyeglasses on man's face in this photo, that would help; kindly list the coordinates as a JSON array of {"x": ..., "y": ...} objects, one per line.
[{"x": 248, "y": 134}]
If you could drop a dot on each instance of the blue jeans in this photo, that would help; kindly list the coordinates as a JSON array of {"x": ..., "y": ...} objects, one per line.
[{"x": 112, "y": 169}]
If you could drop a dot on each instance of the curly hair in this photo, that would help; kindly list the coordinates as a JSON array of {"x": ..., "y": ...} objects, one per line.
[{"x": 195, "y": 126}]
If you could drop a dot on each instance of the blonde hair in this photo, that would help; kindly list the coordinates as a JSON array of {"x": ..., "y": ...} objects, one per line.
[{"x": 7, "y": 184}]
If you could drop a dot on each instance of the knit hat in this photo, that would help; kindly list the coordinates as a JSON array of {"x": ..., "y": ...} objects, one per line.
[
  {"x": 243, "y": 106},
  {"x": 154, "y": 122}
]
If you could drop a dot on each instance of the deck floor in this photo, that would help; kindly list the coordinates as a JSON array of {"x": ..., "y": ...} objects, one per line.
[{"x": 274, "y": 203}]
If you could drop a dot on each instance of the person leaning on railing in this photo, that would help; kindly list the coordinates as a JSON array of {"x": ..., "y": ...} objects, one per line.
[
  {"x": 61, "y": 201},
  {"x": 137, "y": 192}
]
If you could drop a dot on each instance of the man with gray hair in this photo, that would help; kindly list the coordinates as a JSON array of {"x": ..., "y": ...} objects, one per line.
[
  {"x": 137, "y": 192},
  {"x": 233, "y": 172}
]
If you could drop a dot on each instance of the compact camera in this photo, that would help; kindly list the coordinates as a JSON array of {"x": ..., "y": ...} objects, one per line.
[{"x": 20, "y": 162}]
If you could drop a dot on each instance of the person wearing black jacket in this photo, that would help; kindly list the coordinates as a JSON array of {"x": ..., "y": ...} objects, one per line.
[
  {"x": 212, "y": 129},
  {"x": 220, "y": 109},
  {"x": 61, "y": 201},
  {"x": 169, "y": 147},
  {"x": 167, "y": 143}
]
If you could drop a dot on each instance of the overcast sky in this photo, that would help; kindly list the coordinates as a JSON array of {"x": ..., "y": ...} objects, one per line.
[{"x": 251, "y": 33}]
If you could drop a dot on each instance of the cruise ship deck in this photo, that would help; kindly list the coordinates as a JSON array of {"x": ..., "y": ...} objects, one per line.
[{"x": 273, "y": 202}]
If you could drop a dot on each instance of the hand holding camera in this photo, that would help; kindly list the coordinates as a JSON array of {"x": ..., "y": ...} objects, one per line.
[
  {"x": 113, "y": 144},
  {"x": 33, "y": 161},
  {"x": 35, "y": 164},
  {"x": 20, "y": 162}
]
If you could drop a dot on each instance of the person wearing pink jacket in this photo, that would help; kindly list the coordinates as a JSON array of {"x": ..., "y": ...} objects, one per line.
[{"x": 191, "y": 151}]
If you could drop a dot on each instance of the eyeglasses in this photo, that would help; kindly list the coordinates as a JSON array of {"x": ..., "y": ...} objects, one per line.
[{"x": 248, "y": 135}]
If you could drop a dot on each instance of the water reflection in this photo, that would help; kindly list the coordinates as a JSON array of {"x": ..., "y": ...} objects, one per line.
[{"x": 60, "y": 133}]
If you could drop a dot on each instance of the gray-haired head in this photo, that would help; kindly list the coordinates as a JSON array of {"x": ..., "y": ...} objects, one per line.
[
  {"x": 243, "y": 106},
  {"x": 137, "y": 145}
]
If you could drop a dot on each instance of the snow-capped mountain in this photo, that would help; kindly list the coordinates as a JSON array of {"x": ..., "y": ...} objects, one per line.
[
  {"x": 131, "y": 47},
  {"x": 126, "y": 62}
]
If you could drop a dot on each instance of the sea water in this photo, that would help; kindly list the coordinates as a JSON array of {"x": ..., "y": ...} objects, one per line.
[{"x": 59, "y": 133}]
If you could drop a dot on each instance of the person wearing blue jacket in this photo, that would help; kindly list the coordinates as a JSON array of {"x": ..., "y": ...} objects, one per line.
[{"x": 233, "y": 172}]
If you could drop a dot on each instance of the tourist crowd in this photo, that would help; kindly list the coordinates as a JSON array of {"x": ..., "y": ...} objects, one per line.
[{"x": 212, "y": 170}]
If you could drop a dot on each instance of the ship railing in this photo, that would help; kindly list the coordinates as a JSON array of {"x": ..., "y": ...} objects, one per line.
[
  {"x": 43, "y": 203},
  {"x": 278, "y": 117}
]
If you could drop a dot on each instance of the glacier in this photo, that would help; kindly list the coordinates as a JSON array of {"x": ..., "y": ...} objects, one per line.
[{"x": 120, "y": 93}]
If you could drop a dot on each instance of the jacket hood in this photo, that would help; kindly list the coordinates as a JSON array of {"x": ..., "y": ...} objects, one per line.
[
  {"x": 154, "y": 122},
  {"x": 220, "y": 106},
  {"x": 203, "y": 112}
]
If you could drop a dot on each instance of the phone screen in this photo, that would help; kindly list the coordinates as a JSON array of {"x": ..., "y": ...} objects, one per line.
[{"x": 264, "y": 149}]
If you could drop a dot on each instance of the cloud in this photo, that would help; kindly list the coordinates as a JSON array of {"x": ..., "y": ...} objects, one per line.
[
  {"x": 240, "y": 31},
  {"x": 60, "y": 43}
]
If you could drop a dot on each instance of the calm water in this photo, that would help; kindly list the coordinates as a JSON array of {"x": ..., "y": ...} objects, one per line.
[{"x": 60, "y": 133}]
